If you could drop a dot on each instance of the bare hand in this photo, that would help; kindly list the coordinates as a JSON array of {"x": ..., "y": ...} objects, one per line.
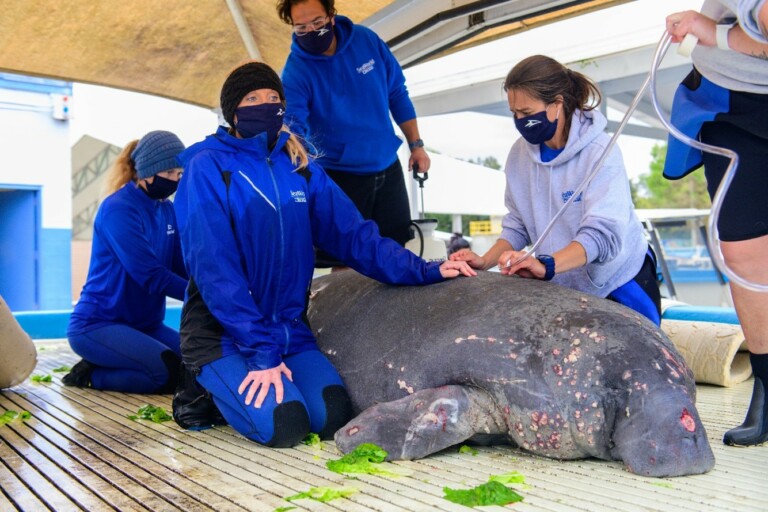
[
  {"x": 470, "y": 257},
  {"x": 683, "y": 23},
  {"x": 261, "y": 381},
  {"x": 450, "y": 269},
  {"x": 420, "y": 158},
  {"x": 530, "y": 267}
]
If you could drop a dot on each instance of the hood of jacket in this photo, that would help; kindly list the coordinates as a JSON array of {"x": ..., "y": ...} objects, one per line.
[
  {"x": 344, "y": 31},
  {"x": 223, "y": 141},
  {"x": 585, "y": 128}
]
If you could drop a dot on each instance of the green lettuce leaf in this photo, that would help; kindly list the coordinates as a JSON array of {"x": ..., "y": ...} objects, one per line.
[
  {"x": 152, "y": 413},
  {"x": 491, "y": 493},
  {"x": 323, "y": 494},
  {"x": 363, "y": 459}
]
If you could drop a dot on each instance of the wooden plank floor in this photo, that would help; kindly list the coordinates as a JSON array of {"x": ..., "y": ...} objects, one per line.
[{"x": 79, "y": 451}]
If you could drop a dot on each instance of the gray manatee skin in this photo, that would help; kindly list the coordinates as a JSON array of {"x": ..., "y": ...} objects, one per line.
[{"x": 562, "y": 374}]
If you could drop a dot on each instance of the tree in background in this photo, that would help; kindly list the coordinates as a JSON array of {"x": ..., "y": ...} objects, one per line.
[
  {"x": 654, "y": 191},
  {"x": 488, "y": 161},
  {"x": 445, "y": 221}
]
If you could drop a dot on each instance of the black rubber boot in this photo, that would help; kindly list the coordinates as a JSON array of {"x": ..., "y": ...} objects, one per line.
[
  {"x": 193, "y": 407},
  {"x": 754, "y": 430},
  {"x": 80, "y": 375}
]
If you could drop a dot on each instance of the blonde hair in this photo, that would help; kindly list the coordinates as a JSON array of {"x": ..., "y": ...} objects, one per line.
[
  {"x": 296, "y": 150},
  {"x": 122, "y": 171}
]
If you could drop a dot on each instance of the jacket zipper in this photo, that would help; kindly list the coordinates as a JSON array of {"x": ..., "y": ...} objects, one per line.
[{"x": 279, "y": 280}]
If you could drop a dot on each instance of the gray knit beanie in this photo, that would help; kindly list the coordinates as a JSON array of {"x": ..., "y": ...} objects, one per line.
[{"x": 156, "y": 152}]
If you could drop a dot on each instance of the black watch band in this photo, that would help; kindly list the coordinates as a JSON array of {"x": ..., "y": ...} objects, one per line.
[
  {"x": 549, "y": 266},
  {"x": 418, "y": 143}
]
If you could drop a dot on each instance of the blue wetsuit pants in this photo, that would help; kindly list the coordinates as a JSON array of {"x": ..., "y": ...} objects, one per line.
[
  {"x": 129, "y": 360},
  {"x": 316, "y": 401}
]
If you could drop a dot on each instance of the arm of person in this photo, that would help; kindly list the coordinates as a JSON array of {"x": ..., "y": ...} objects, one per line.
[
  {"x": 683, "y": 23},
  {"x": 210, "y": 252},
  {"x": 487, "y": 260},
  {"x": 568, "y": 258},
  {"x": 124, "y": 233},
  {"x": 339, "y": 229},
  {"x": 298, "y": 95},
  {"x": 401, "y": 107},
  {"x": 177, "y": 265},
  {"x": 419, "y": 158}
]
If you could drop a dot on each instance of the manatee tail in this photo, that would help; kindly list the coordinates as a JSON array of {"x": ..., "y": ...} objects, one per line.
[{"x": 423, "y": 423}]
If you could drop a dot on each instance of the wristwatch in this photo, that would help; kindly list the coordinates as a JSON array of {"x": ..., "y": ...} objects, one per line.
[
  {"x": 418, "y": 143},
  {"x": 549, "y": 266},
  {"x": 721, "y": 35}
]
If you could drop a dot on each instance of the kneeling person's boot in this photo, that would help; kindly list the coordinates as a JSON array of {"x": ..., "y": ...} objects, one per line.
[
  {"x": 754, "y": 430},
  {"x": 80, "y": 375},
  {"x": 193, "y": 407}
]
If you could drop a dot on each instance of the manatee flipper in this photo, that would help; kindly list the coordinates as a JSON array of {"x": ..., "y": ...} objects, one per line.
[
  {"x": 423, "y": 423},
  {"x": 18, "y": 356}
]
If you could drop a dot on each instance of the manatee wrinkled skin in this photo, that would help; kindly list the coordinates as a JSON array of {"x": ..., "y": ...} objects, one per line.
[{"x": 560, "y": 373}]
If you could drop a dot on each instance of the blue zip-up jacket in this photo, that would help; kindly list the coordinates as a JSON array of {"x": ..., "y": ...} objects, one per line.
[
  {"x": 135, "y": 263},
  {"x": 341, "y": 103},
  {"x": 248, "y": 224}
]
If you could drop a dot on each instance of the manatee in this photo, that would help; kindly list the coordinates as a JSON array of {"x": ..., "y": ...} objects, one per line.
[{"x": 553, "y": 371}]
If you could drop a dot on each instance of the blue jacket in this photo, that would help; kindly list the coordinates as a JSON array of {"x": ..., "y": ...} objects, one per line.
[
  {"x": 248, "y": 224},
  {"x": 341, "y": 103},
  {"x": 135, "y": 263}
]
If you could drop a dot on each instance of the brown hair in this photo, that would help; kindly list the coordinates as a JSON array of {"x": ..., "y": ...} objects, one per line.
[
  {"x": 284, "y": 8},
  {"x": 545, "y": 79},
  {"x": 122, "y": 171}
]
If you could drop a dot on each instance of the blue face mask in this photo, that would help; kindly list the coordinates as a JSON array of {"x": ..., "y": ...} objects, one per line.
[
  {"x": 161, "y": 188},
  {"x": 317, "y": 41},
  {"x": 253, "y": 120},
  {"x": 536, "y": 128}
]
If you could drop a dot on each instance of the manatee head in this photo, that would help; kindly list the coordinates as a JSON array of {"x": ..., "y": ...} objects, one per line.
[{"x": 659, "y": 433}]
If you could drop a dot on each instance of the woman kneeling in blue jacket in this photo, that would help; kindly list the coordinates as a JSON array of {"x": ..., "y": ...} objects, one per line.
[
  {"x": 251, "y": 207},
  {"x": 117, "y": 325}
]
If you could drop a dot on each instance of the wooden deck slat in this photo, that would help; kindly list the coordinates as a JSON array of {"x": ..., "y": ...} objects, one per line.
[
  {"x": 119, "y": 442},
  {"x": 33, "y": 477},
  {"x": 80, "y": 448},
  {"x": 119, "y": 489}
]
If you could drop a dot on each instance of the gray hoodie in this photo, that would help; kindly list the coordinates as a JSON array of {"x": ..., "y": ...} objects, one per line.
[{"x": 603, "y": 220}]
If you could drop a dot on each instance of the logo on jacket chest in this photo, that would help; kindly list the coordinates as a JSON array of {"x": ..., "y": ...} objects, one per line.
[
  {"x": 170, "y": 230},
  {"x": 567, "y": 195},
  {"x": 298, "y": 196},
  {"x": 366, "y": 68}
]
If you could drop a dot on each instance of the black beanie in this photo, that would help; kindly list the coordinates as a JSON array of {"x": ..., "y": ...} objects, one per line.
[{"x": 244, "y": 79}]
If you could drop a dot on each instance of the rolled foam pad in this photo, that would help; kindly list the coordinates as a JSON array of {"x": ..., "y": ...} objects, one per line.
[
  {"x": 18, "y": 355},
  {"x": 716, "y": 352}
]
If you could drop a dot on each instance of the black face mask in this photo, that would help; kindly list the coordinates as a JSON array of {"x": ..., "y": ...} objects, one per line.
[
  {"x": 253, "y": 120},
  {"x": 161, "y": 188}
]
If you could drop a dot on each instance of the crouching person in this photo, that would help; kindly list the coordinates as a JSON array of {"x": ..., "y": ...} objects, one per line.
[{"x": 251, "y": 207}]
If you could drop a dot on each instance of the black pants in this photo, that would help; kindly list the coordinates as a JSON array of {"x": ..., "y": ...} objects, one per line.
[{"x": 380, "y": 197}]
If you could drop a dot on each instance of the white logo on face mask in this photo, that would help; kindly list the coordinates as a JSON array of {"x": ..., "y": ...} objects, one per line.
[
  {"x": 322, "y": 31},
  {"x": 281, "y": 112},
  {"x": 531, "y": 123}
]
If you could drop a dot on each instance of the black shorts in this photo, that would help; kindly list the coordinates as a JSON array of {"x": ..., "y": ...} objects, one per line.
[
  {"x": 380, "y": 197},
  {"x": 744, "y": 129}
]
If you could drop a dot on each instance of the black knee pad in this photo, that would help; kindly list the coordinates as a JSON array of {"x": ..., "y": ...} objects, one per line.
[
  {"x": 338, "y": 410},
  {"x": 291, "y": 421}
]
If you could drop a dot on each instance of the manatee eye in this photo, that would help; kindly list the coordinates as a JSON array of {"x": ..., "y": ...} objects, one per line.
[{"x": 687, "y": 421}]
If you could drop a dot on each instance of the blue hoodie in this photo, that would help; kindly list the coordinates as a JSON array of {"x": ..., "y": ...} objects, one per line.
[
  {"x": 341, "y": 103},
  {"x": 248, "y": 247},
  {"x": 135, "y": 263}
]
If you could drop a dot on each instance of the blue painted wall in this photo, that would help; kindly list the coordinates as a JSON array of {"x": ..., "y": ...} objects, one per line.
[{"x": 55, "y": 269}]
